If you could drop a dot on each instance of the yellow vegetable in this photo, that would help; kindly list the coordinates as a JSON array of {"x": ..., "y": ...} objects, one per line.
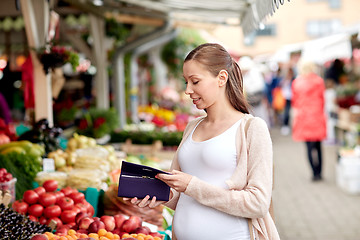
[{"x": 13, "y": 149}]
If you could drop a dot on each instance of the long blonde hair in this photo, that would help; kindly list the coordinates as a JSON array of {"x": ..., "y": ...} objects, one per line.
[{"x": 306, "y": 66}]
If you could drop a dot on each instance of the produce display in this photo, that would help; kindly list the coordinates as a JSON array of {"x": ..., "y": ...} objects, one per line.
[
  {"x": 23, "y": 147},
  {"x": 23, "y": 160},
  {"x": 85, "y": 163},
  {"x": 102, "y": 234},
  {"x": 117, "y": 224},
  {"x": 59, "y": 200},
  {"x": 116, "y": 205},
  {"x": 44, "y": 135},
  {"x": 106, "y": 228},
  {"x": 45, "y": 204},
  {"x": 16, "y": 226},
  {"x": 7, "y": 182}
]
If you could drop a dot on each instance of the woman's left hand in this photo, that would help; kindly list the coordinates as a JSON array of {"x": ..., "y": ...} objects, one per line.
[{"x": 176, "y": 180}]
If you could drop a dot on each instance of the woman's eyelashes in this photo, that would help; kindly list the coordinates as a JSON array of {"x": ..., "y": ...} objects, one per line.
[{"x": 193, "y": 82}]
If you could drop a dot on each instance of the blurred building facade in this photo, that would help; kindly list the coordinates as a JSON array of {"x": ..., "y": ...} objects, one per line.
[{"x": 296, "y": 21}]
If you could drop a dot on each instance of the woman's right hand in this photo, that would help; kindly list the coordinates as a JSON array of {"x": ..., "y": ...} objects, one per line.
[{"x": 145, "y": 202}]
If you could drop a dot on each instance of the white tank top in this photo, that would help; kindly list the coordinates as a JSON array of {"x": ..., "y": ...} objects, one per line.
[{"x": 212, "y": 161}]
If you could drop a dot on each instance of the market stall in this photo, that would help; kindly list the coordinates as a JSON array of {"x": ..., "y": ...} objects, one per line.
[{"x": 59, "y": 185}]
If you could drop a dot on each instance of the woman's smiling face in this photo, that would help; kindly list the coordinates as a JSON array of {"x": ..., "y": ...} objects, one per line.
[{"x": 201, "y": 86}]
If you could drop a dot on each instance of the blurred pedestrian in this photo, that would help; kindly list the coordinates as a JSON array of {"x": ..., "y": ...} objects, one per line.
[
  {"x": 254, "y": 87},
  {"x": 286, "y": 84},
  {"x": 309, "y": 123},
  {"x": 278, "y": 101},
  {"x": 336, "y": 72},
  {"x": 221, "y": 178},
  {"x": 331, "y": 110},
  {"x": 271, "y": 82}
]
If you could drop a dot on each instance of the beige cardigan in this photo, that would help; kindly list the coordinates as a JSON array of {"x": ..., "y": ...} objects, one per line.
[{"x": 250, "y": 185}]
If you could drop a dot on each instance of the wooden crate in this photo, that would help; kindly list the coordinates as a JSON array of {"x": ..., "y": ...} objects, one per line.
[{"x": 147, "y": 149}]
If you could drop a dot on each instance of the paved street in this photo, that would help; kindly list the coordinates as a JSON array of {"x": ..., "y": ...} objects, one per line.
[{"x": 306, "y": 210}]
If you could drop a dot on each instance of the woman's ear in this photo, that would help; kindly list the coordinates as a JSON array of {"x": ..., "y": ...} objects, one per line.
[{"x": 222, "y": 77}]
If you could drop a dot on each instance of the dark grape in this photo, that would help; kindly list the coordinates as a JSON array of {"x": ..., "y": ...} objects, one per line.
[{"x": 14, "y": 226}]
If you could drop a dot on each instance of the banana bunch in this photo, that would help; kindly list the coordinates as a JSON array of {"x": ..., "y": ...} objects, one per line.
[{"x": 24, "y": 147}]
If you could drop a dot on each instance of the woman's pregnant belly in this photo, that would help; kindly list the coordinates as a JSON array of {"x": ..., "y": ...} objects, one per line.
[{"x": 195, "y": 221}]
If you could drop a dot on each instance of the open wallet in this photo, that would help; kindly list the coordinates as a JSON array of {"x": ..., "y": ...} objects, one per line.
[{"x": 138, "y": 180}]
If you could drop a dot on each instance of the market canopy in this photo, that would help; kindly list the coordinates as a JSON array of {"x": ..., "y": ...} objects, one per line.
[{"x": 245, "y": 13}]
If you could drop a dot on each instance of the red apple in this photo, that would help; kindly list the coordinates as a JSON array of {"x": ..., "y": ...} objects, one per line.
[
  {"x": 79, "y": 216},
  {"x": 131, "y": 224},
  {"x": 117, "y": 231},
  {"x": 85, "y": 222},
  {"x": 119, "y": 220},
  {"x": 85, "y": 231},
  {"x": 146, "y": 227},
  {"x": 62, "y": 230},
  {"x": 72, "y": 225},
  {"x": 156, "y": 234},
  {"x": 96, "y": 226},
  {"x": 109, "y": 222},
  {"x": 142, "y": 229},
  {"x": 136, "y": 219}
]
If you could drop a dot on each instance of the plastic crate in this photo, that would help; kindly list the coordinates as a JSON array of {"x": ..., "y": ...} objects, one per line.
[
  {"x": 9, "y": 186},
  {"x": 93, "y": 196}
]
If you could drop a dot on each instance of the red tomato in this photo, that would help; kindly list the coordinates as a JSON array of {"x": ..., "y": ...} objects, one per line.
[
  {"x": 50, "y": 185},
  {"x": 36, "y": 210},
  {"x": 20, "y": 206},
  {"x": 78, "y": 197},
  {"x": 76, "y": 209},
  {"x": 68, "y": 190},
  {"x": 52, "y": 211},
  {"x": 68, "y": 216},
  {"x": 82, "y": 207},
  {"x": 33, "y": 218},
  {"x": 56, "y": 219},
  {"x": 65, "y": 203},
  {"x": 59, "y": 195},
  {"x": 40, "y": 190},
  {"x": 30, "y": 196},
  {"x": 47, "y": 199},
  {"x": 42, "y": 220}
]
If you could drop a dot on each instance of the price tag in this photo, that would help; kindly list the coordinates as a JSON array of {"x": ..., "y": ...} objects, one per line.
[{"x": 48, "y": 165}]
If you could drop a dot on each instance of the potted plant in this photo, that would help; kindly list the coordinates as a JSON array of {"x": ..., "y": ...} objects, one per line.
[{"x": 55, "y": 56}]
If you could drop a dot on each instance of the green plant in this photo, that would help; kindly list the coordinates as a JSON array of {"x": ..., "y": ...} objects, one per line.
[
  {"x": 147, "y": 137},
  {"x": 97, "y": 122},
  {"x": 53, "y": 56},
  {"x": 174, "y": 52}
]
